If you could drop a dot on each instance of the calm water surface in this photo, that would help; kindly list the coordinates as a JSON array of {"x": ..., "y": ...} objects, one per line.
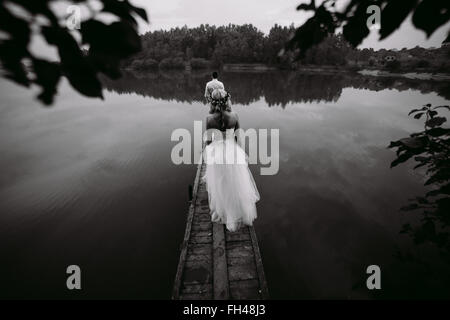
[{"x": 91, "y": 183}]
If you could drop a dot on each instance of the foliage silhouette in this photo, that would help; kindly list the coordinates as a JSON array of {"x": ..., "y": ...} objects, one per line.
[
  {"x": 427, "y": 15},
  {"x": 108, "y": 44},
  {"x": 431, "y": 150}
]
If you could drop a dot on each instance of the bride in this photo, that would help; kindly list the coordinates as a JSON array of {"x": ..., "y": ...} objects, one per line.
[{"x": 231, "y": 189}]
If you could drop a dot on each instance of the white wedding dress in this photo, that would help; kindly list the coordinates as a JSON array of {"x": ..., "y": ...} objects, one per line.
[{"x": 231, "y": 189}]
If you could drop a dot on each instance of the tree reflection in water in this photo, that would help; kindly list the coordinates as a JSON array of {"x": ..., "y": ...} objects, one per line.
[{"x": 276, "y": 87}]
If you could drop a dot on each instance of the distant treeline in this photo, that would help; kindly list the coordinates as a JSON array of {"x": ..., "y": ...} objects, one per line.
[
  {"x": 210, "y": 46},
  {"x": 277, "y": 87}
]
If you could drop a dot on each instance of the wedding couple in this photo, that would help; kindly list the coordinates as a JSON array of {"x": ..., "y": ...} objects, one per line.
[{"x": 231, "y": 189}]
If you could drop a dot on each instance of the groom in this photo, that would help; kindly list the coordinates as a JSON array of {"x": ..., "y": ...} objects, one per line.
[{"x": 212, "y": 85}]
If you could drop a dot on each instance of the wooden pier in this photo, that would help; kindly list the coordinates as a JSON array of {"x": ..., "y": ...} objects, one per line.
[{"x": 215, "y": 263}]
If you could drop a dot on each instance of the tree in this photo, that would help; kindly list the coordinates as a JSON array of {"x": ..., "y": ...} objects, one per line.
[
  {"x": 107, "y": 44},
  {"x": 430, "y": 149},
  {"x": 427, "y": 15}
]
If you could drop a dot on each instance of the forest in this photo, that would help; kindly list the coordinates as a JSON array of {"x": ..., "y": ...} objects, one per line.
[{"x": 211, "y": 46}]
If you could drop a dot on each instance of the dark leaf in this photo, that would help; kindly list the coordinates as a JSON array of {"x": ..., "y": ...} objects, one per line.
[
  {"x": 439, "y": 107},
  {"x": 355, "y": 30},
  {"x": 307, "y": 6},
  {"x": 67, "y": 46},
  {"x": 414, "y": 111},
  {"x": 47, "y": 76},
  {"x": 394, "y": 144},
  {"x": 313, "y": 31},
  {"x": 442, "y": 190},
  {"x": 119, "y": 8},
  {"x": 393, "y": 14},
  {"x": 431, "y": 14},
  {"x": 106, "y": 63},
  {"x": 441, "y": 175},
  {"x": 119, "y": 39},
  {"x": 438, "y": 132},
  {"x": 402, "y": 158},
  {"x": 432, "y": 113},
  {"x": 418, "y": 115},
  {"x": 423, "y": 161},
  {"x": 16, "y": 27},
  {"x": 420, "y": 158},
  {"x": 413, "y": 143},
  {"x": 80, "y": 73},
  {"x": 435, "y": 122},
  {"x": 11, "y": 55},
  {"x": 447, "y": 39},
  {"x": 140, "y": 12}
]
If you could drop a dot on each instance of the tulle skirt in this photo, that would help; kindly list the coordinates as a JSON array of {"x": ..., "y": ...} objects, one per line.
[{"x": 231, "y": 188}]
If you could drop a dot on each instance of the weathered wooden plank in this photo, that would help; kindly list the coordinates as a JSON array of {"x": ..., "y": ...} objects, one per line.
[
  {"x": 179, "y": 274},
  {"x": 245, "y": 290},
  {"x": 203, "y": 220},
  {"x": 202, "y": 202},
  {"x": 221, "y": 290},
  {"x": 242, "y": 272},
  {"x": 241, "y": 230},
  {"x": 199, "y": 257},
  {"x": 197, "y": 288},
  {"x": 202, "y": 226},
  {"x": 200, "y": 249},
  {"x": 202, "y": 209},
  {"x": 241, "y": 260},
  {"x": 200, "y": 240},
  {"x": 239, "y": 249},
  {"x": 202, "y": 214},
  {"x": 259, "y": 265},
  {"x": 201, "y": 234},
  {"x": 197, "y": 275},
  {"x": 231, "y": 236},
  {"x": 199, "y": 263},
  {"x": 195, "y": 296}
]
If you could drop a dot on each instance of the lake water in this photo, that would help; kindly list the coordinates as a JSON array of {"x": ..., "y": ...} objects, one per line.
[{"x": 91, "y": 183}]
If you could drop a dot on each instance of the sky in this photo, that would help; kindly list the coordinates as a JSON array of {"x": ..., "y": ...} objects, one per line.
[{"x": 166, "y": 14}]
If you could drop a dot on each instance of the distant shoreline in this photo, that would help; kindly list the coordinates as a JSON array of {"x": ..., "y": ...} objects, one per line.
[
  {"x": 418, "y": 75},
  {"x": 261, "y": 67},
  {"x": 409, "y": 75}
]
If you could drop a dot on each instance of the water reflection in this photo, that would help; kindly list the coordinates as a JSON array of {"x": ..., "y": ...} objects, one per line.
[
  {"x": 277, "y": 88},
  {"x": 91, "y": 182}
]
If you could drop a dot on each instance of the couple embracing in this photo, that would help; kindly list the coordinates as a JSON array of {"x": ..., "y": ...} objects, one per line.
[{"x": 232, "y": 191}]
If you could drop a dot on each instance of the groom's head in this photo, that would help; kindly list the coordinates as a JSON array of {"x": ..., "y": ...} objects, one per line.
[{"x": 215, "y": 75}]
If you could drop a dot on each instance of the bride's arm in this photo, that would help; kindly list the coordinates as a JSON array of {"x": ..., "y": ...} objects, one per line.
[
  {"x": 237, "y": 130},
  {"x": 208, "y": 138}
]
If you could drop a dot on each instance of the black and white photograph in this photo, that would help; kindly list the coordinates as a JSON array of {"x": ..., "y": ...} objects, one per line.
[{"x": 205, "y": 152}]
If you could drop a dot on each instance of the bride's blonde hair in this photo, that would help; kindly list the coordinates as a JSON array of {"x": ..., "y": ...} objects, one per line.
[{"x": 220, "y": 100}]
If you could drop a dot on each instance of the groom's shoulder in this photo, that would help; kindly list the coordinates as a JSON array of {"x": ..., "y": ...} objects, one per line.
[
  {"x": 220, "y": 84},
  {"x": 214, "y": 81}
]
